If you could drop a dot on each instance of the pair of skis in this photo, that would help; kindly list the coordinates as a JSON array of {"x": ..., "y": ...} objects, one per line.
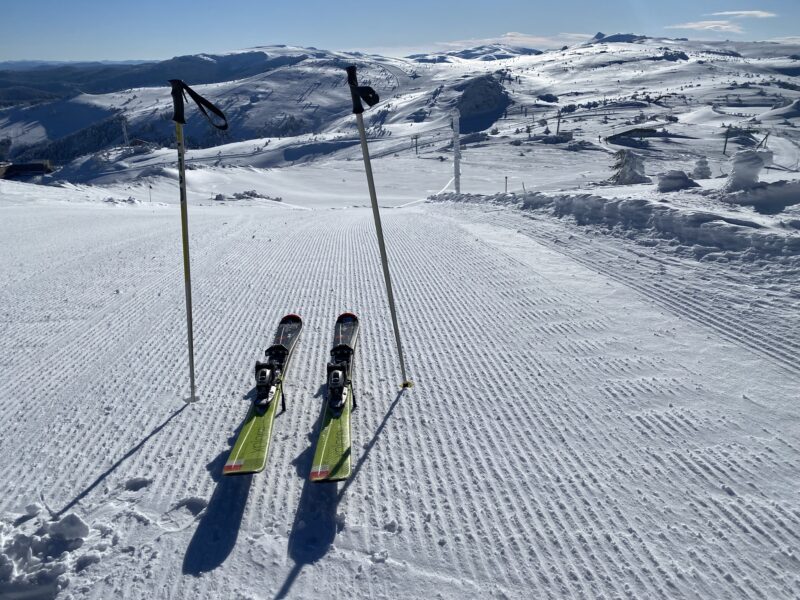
[{"x": 332, "y": 460}]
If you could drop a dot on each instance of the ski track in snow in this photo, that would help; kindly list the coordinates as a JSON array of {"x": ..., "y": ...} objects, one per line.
[
  {"x": 566, "y": 437},
  {"x": 718, "y": 307}
]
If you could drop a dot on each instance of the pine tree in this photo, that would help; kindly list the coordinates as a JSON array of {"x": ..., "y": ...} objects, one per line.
[
  {"x": 701, "y": 169},
  {"x": 628, "y": 169}
]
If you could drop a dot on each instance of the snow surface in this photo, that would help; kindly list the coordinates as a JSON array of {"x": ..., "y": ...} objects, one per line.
[{"x": 606, "y": 375}]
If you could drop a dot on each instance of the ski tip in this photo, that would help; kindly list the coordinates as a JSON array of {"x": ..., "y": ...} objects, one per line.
[
  {"x": 347, "y": 316},
  {"x": 407, "y": 384},
  {"x": 291, "y": 317}
]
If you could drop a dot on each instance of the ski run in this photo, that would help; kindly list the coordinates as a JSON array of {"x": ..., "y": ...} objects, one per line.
[{"x": 605, "y": 383}]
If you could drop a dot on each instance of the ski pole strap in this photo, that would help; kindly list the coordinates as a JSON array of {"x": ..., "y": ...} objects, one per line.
[
  {"x": 179, "y": 91},
  {"x": 360, "y": 92}
]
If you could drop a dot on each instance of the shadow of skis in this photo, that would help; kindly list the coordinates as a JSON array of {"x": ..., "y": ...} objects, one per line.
[
  {"x": 218, "y": 529},
  {"x": 315, "y": 525}
]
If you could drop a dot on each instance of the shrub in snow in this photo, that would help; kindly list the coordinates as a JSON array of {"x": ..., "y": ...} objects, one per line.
[
  {"x": 701, "y": 169},
  {"x": 745, "y": 167},
  {"x": 628, "y": 169},
  {"x": 672, "y": 181}
]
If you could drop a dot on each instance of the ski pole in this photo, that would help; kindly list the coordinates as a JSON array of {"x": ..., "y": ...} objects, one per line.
[
  {"x": 179, "y": 89},
  {"x": 369, "y": 96}
]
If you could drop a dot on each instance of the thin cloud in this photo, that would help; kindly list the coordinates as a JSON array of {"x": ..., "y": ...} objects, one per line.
[
  {"x": 745, "y": 14},
  {"x": 725, "y": 26},
  {"x": 512, "y": 38},
  {"x": 525, "y": 40}
]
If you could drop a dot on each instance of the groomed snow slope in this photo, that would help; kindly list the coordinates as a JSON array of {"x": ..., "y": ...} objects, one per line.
[{"x": 570, "y": 434}]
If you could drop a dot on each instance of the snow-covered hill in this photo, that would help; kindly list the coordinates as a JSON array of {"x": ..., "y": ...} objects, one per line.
[
  {"x": 301, "y": 93},
  {"x": 606, "y": 374}
]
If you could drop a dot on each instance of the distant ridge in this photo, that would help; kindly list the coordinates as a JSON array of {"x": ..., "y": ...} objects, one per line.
[
  {"x": 486, "y": 52},
  {"x": 624, "y": 38}
]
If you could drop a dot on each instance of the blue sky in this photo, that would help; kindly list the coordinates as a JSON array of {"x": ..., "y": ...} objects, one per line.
[{"x": 157, "y": 29}]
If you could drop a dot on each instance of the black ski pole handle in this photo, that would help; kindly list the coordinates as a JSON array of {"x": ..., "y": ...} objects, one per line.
[
  {"x": 179, "y": 91},
  {"x": 177, "y": 101},
  {"x": 359, "y": 93}
]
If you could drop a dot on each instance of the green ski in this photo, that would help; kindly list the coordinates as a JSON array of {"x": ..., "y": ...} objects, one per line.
[
  {"x": 249, "y": 453},
  {"x": 332, "y": 457}
]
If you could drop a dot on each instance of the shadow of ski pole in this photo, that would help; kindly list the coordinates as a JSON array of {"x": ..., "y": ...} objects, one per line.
[
  {"x": 112, "y": 468},
  {"x": 370, "y": 445}
]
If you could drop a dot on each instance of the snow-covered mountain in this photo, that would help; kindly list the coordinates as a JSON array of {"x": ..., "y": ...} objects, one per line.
[
  {"x": 488, "y": 52},
  {"x": 280, "y": 91}
]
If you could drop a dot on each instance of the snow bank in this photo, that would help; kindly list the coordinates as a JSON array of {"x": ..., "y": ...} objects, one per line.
[
  {"x": 704, "y": 230},
  {"x": 792, "y": 111},
  {"x": 767, "y": 198}
]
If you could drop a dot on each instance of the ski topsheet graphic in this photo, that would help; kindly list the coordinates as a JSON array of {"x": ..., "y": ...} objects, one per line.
[
  {"x": 249, "y": 453},
  {"x": 332, "y": 457}
]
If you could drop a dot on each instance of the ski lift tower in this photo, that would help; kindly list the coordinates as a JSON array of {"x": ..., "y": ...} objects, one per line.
[
  {"x": 125, "y": 132},
  {"x": 456, "y": 151}
]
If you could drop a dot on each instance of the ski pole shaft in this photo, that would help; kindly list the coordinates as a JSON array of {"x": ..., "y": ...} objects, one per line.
[
  {"x": 179, "y": 91},
  {"x": 187, "y": 276},
  {"x": 381, "y": 244}
]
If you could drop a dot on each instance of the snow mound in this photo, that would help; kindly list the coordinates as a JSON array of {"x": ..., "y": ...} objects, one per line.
[
  {"x": 34, "y": 565},
  {"x": 767, "y": 198},
  {"x": 130, "y": 200},
  {"x": 745, "y": 167},
  {"x": 673, "y": 181},
  {"x": 70, "y": 528}
]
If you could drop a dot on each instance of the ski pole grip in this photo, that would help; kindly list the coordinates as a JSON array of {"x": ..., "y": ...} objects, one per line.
[
  {"x": 177, "y": 100},
  {"x": 352, "y": 81}
]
